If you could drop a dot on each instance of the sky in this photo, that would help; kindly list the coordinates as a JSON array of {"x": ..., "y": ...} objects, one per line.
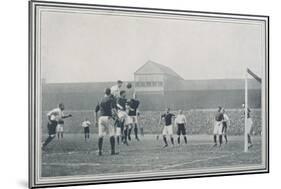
[{"x": 79, "y": 47}]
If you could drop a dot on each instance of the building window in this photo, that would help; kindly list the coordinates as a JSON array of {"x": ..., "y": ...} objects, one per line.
[
  {"x": 148, "y": 84},
  {"x": 154, "y": 83},
  {"x": 160, "y": 83}
]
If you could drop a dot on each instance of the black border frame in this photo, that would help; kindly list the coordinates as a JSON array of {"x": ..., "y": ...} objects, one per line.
[{"x": 32, "y": 90}]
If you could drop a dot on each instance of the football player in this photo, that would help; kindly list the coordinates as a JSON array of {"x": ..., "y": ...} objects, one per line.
[
  {"x": 248, "y": 125},
  {"x": 54, "y": 117},
  {"x": 115, "y": 90},
  {"x": 225, "y": 123},
  {"x": 218, "y": 126},
  {"x": 181, "y": 126},
  {"x": 133, "y": 105},
  {"x": 168, "y": 127},
  {"x": 86, "y": 125},
  {"x": 124, "y": 119},
  {"x": 105, "y": 121}
]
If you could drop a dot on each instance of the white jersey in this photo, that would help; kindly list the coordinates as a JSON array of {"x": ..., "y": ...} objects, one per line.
[
  {"x": 56, "y": 114},
  {"x": 180, "y": 119},
  {"x": 225, "y": 118},
  {"x": 86, "y": 124},
  {"x": 115, "y": 91}
]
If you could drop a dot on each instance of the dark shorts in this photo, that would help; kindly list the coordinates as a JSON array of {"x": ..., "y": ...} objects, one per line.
[
  {"x": 181, "y": 129},
  {"x": 52, "y": 127},
  {"x": 86, "y": 129}
]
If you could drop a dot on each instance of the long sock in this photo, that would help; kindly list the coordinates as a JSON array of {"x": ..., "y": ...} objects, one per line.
[
  {"x": 136, "y": 131},
  {"x": 125, "y": 135},
  {"x": 122, "y": 131},
  {"x": 185, "y": 139},
  {"x": 220, "y": 139},
  {"x": 215, "y": 139},
  {"x": 172, "y": 140},
  {"x": 118, "y": 140},
  {"x": 58, "y": 135},
  {"x": 47, "y": 141},
  {"x": 165, "y": 140},
  {"x": 61, "y": 135},
  {"x": 112, "y": 143},
  {"x": 100, "y": 144},
  {"x": 225, "y": 137},
  {"x": 129, "y": 133},
  {"x": 179, "y": 140},
  {"x": 249, "y": 139}
]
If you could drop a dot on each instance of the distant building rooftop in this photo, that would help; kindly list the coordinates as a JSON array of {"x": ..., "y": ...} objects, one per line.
[{"x": 151, "y": 67}]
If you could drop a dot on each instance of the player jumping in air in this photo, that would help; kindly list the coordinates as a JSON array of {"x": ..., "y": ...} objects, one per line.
[
  {"x": 225, "y": 123},
  {"x": 168, "y": 127},
  {"x": 54, "y": 117},
  {"x": 124, "y": 119},
  {"x": 105, "y": 121},
  {"x": 181, "y": 126},
  {"x": 248, "y": 126},
  {"x": 119, "y": 125},
  {"x": 115, "y": 90},
  {"x": 218, "y": 126},
  {"x": 133, "y": 105},
  {"x": 86, "y": 125}
]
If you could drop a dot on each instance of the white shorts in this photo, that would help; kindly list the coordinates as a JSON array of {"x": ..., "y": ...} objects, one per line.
[
  {"x": 118, "y": 131},
  {"x": 218, "y": 128},
  {"x": 249, "y": 125},
  {"x": 168, "y": 130},
  {"x": 106, "y": 126},
  {"x": 128, "y": 120},
  {"x": 134, "y": 119},
  {"x": 60, "y": 128},
  {"x": 122, "y": 114}
]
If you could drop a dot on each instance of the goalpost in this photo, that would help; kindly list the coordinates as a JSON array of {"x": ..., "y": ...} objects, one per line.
[{"x": 257, "y": 79}]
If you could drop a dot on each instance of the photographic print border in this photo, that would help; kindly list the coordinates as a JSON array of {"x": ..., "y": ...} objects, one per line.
[{"x": 35, "y": 182}]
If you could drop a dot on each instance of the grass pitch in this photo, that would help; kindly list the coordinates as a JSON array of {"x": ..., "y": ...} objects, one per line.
[{"x": 73, "y": 156}]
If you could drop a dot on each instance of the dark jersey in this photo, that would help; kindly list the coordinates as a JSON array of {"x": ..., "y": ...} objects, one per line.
[
  {"x": 122, "y": 102},
  {"x": 219, "y": 116},
  {"x": 168, "y": 118},
  {"x": 105, "y": 106},
  {"x": 133, "y": 104}
]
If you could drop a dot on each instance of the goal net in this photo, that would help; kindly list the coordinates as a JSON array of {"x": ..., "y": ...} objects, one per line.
[{"x": 252, "y": 101}]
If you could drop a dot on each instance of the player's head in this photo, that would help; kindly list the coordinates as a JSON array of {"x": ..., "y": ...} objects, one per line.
[
  {"x": 107, "y": 91},
  {"x": 180, "y": 111},
  {"x": 123, "y": 93},
  {"x": 86, "y": 119},
  {"x": 119, "y": 83},
  {"x": 129, "y": 85},
  {"x": 219, "y": 108},
  {"x": 61, "y": 106},
  {"x": 167, "y": 110}
]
